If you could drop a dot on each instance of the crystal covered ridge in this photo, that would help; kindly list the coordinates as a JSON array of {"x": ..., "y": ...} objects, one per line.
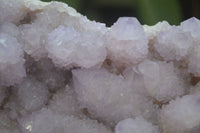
[{"x": 63, "y": 73}]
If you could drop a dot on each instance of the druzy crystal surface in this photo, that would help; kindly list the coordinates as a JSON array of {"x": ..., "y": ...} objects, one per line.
[{"x": 63, "y": 73}]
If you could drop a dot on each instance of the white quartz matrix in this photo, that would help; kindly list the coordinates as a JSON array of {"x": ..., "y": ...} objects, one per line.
[{"x": 63, "y": 73}]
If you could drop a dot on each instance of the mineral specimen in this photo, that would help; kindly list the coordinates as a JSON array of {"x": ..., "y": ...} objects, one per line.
[{"x": 63, "y": 73}]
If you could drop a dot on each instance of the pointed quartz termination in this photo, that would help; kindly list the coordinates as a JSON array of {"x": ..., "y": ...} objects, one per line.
[
  {"x": 181, "y": 115},
  {"x": 12, "y": 11},
  {"x": 126, "y": 41},
  {"x": 68, "y": 47},
  {"x": 154, "y": 30},
  {"x": 162, "y": 80},
  {"x": 110, "y": 97},
  {"x": 32, "y": 94},
  {"x": 192, "y": 26},
  {"x": 11, "y": 60},
  {"x": 174, "y": 44}
]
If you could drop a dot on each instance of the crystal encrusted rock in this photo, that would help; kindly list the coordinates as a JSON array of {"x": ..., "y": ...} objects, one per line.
[{"x": 63, "y": 73}]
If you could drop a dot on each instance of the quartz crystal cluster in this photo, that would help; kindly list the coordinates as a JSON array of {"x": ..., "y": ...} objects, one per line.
[{"x": 63, "y": 73}]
